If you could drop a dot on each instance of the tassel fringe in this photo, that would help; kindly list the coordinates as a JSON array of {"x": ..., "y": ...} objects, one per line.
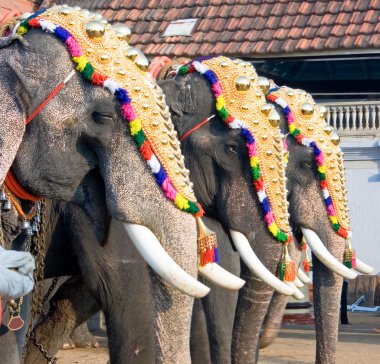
[
  {"x": 349, "y": 257},
  {"x": 307, "y": 263},
  {"x": 286, "y": 267},
  {"x": 207, "y": 245}
]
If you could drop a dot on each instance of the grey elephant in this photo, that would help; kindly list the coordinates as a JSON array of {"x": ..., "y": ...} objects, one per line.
[{"x": 80, "y": 136}]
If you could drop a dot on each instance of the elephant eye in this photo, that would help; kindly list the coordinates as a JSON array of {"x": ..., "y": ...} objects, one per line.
[
  {"x": 308, "y": 164},
  {"x": 102, "y": 118},
  {"x": 232, "y": 148}
]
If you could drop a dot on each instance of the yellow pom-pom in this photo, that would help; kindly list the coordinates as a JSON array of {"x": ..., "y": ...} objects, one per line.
[
  {"x": 321, "y": 169},
  {"x": 181, "y": 202},
  {"x": 21, "y": 30},
  {"x": 81, "y": 63},
  {"x": 254, "y": 161},
  {"x": 333, "y": 219},
  {"x": 273, "y": 228},
  {"x": 220, "y": 102},
  {"x": 135, "y": 126},
  {"x": 292, "y": 128}
]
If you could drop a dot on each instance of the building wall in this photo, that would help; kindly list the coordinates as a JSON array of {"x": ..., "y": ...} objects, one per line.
[{"x": 362, "y": 162}]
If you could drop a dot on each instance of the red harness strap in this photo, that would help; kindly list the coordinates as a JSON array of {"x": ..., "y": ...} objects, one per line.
[
  {"x": 195, "y": 128},
  {"x": 10, "y": 180}
]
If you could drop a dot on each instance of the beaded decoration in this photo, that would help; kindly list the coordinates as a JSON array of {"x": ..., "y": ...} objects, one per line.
[
  {"x": 104, "y": 58},
  {"x": 236, "y": 82},
  {"x": 307, "y": 124}
]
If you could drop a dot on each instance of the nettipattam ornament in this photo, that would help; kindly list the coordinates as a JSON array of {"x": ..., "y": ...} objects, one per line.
[
  {"x": 241, "y": 104},
  {"x": 104, "y": 58},
  {"x": 306, "y": 122}
]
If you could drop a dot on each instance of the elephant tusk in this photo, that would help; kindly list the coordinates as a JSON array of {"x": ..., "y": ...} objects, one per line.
[
  {"x": 325, "y": 256},
  {"x": 298, "y": 283},
  {"x": 155, "y": 255},
  {"x": 220, "y": 277},
  {"x": 256, "y": 267},
  {"x": 303, "y": 276},
  {"x": 297, "y": 294},
  {"x": 363, "y": 267}
]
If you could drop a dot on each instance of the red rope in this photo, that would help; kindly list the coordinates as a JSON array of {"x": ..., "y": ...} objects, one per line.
[
  {"x": 43, "y": 104},
  {"x": 196, "y": 127}
]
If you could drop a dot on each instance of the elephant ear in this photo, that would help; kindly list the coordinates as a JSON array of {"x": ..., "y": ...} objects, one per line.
[{"x": 179, "y": 97}]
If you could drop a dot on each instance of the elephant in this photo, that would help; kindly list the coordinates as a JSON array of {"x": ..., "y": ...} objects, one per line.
[{"x": 78, "y": 139}]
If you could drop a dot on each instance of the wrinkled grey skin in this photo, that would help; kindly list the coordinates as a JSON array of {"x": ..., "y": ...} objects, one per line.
[{"x": 81, "y": 131}]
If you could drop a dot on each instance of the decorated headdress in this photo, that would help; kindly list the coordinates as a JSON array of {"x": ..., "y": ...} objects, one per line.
[
  {"x": 306, "y": 122},
  {"x": 103, "y": 57},
  {"x": 241, "y": 104}
]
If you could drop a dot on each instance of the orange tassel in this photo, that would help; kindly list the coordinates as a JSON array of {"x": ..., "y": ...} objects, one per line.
[
  {"x": 207, "y": 245},
  {"x": 286, "y": 267}
]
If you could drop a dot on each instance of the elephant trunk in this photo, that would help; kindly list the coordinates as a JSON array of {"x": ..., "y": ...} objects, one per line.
[
  {"x": 252, "y": 306},
  {"x": 327, "y": 293}
]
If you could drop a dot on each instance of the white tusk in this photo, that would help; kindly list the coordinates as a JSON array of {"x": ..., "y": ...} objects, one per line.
[
  {"x": 219, "y": 276},
  {"x": 256, "y": 267},
  {"x": 297, "y": 294},
  {"x": 303, "y": 276},
  {"x": 155, "y": 255},
  {"x": 325, "y": 256},
  {"x": 298, "y": 283},
  {"x": 362, "y": 267}
]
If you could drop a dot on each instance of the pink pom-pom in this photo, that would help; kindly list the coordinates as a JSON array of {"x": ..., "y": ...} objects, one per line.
[
  {"x": 290, "y": 118},
  {"x": 330, "y": 210},
  {"x": 217, "y": 88},
  {"x": 269, "y": 218},
  {"x": 128, "y": 112},
  {"x": 168, "y": 189},
  {"x": 320, "y": 159},
  {"x": 74, "y": 47},
  {"x": 251, "y": 150}
]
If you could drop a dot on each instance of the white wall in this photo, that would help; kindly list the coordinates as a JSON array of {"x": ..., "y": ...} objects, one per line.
[{"x": 362, "y": 162}]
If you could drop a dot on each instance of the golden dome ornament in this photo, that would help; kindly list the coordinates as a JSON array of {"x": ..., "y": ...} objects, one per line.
[
  {"x": 274, "y": 118},
  {"x": 95, "y": 29},
  {"x": 142, "y": 62},
  {"x": 334, "y": 137},
  {"x": 242, "y": 83},
  {"x": 132, "y": 53},
  {"x": 267, "y": 108},
  {"x": 264, "y": 84},
  {"x": 123, "y": 32},
  {"x": 328, "y": 129},
  {"x": 322, "y": 111},
  {"x": 307, "y": 108}
]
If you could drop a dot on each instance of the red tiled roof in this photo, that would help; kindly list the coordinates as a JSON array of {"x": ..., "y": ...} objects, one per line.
[
  {"x": 10, "y": 8},
  {"x": 255, "y": 29}
]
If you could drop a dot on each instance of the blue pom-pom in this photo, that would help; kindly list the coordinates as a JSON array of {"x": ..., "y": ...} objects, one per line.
[
  {"x": 247, "y": 135},
  {"x": 62, "y": 33},
  {"x": 265, "y": 205},
  {"x": 122, "y": 96},
  {"x": 160, "y": 176}
]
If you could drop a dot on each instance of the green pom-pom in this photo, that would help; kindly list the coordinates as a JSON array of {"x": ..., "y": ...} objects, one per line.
[
  {"x": 336, "y": 227},
  {"x": 139, "y": 138},
  {"x": 88, "y": 71},
  {"x": 281, "y": 236},
  {"x": 223, "y": 113},
  {"x": 296, "y": 132},
  {"x": 193, "y": 208},
  {"x": 322, "y": 176},
  {"x": 281, "y": 270},
  {"x": 256, "y": 173},
  {"x": 182, "y": 70}
]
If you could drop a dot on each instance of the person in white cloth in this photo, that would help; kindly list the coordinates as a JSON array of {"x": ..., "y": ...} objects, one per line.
[{"x": 16, "y": 274}]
